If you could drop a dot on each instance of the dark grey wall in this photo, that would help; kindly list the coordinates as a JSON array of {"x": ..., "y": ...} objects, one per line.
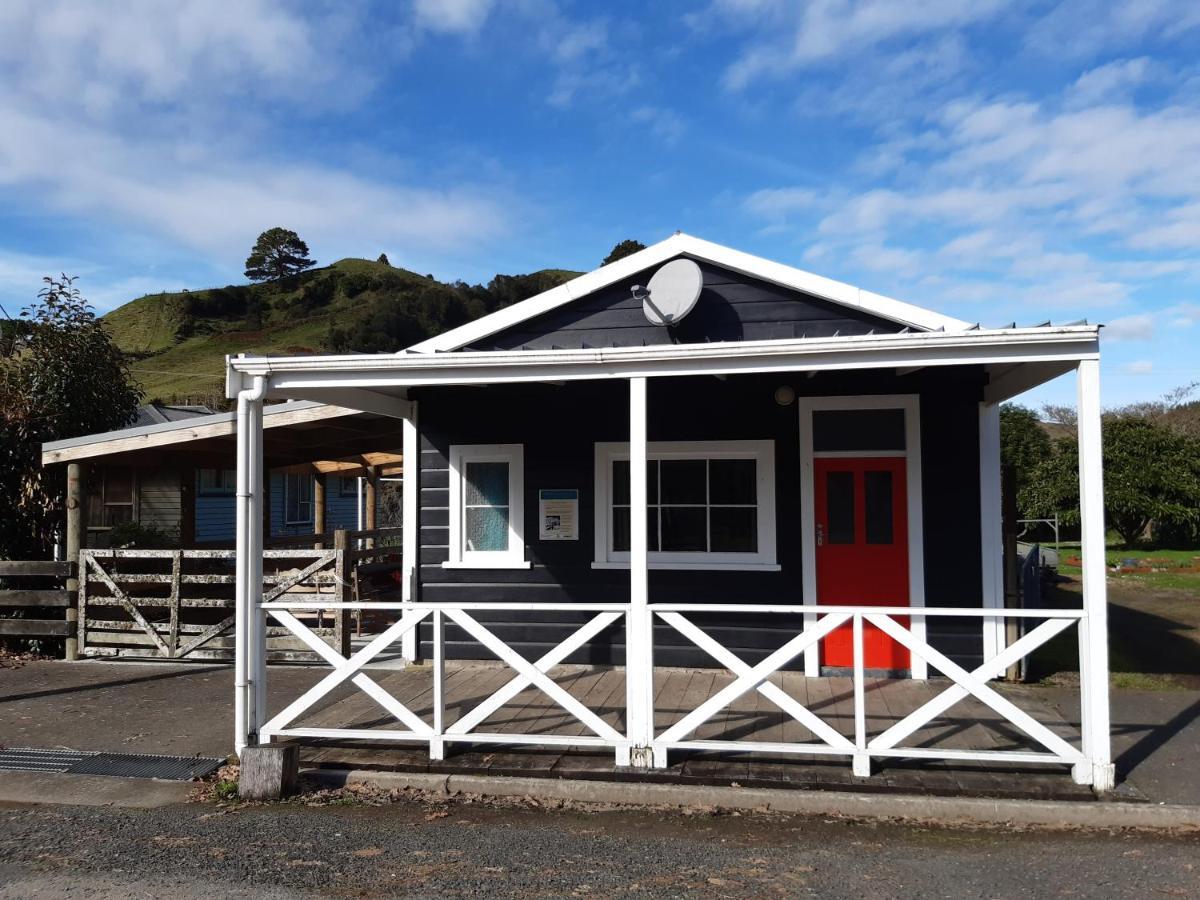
[
  {"x": 559, "y": 427},
  {"x": 732, "y": 307}
]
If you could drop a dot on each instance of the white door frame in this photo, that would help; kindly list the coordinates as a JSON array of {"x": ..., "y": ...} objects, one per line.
[{"x": 911, "y": 404}]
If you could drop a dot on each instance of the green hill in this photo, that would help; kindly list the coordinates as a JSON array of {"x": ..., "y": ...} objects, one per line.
[{"x": 178, "y": 341}]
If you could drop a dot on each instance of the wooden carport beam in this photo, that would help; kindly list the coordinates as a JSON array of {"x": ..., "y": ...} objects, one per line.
[{"x": 356, "y": 398}]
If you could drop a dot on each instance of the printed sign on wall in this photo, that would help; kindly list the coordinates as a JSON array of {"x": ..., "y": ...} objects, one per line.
[{"x": 558, "y": 513}]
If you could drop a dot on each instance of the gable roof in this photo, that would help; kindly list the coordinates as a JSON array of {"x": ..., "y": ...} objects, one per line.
[{"x": 680, "y": 244}]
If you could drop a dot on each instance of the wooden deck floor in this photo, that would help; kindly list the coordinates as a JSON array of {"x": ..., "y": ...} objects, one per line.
[{"x": 967, "y": 725}]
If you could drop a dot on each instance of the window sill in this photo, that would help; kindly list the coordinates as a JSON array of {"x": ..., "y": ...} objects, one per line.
[
  {"x": 698, "y": 566},
  {"x": 496, "y": 564}
]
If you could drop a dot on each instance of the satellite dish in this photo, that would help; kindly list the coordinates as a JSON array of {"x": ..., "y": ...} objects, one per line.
[{"x": 672, "y": 292}]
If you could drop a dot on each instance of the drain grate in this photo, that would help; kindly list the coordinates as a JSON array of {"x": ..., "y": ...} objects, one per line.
[{"x": 120, "y": 765}]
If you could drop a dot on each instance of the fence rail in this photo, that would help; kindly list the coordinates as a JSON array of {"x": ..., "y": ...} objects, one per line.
[
  {"x": 35, "y": 612},
  {"x": 180, "y": 603},
  {"x": 813, "y": 623}
]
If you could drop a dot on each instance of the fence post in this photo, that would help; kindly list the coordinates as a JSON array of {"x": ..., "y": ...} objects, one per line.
[
  {"x": 437, "y": 746},
  {"x": 343, "y": 591},
  {"x": 76, "y": 540}
]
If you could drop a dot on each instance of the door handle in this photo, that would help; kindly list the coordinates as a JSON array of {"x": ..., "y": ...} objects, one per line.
[{"x": 820, "y": 534}]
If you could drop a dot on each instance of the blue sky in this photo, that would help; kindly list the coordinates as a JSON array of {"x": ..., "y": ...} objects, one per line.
[{"x": 998, "y": 161}]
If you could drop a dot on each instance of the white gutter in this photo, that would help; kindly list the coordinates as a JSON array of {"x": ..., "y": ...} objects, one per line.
[{"x": 1015, "y": 345}]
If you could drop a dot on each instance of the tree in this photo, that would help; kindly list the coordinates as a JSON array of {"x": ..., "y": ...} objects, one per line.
[
  {"x": 627, "y": 247},
  {"x": 277, "y": 253},
  {"x": 1151, "y": 474},
  {"x": 1024, "y": 445},
  {"x": 65, "y": 378},
  {"x": 383, "y": 259}
]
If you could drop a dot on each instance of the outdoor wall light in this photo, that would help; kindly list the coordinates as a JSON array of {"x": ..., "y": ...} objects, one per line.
[{"x": 785, "y": 395}]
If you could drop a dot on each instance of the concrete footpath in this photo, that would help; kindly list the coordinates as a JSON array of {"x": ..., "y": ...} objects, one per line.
[{"x": 186, "y": 710}]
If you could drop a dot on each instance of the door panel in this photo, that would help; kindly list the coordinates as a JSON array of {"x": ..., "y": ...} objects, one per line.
[{"x": 861, "y": 533}]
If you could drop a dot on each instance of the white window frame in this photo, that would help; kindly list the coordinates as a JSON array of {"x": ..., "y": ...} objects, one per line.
[
  {"x": 312, "y": 499},
  {"x": 514, "y": 556},
  {"x": 762, "y": 452}
]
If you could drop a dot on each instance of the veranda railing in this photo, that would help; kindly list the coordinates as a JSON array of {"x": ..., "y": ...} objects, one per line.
[{"x": 820, "y": 621}]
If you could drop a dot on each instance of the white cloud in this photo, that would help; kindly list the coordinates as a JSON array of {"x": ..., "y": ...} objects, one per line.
[
  {"x": 1139, "y": 367},
  {"x": 664, "y": 124},
  {"x": 1082, "y": 28},
  {"x": 780, "y": 203},
  {"x": 1111, "y": 81},
  {"x": 452, "y": 16},
  {"x": 793, "y": 36},
  {"x": 1137, "y": 327},
  {"x": 1184, "y": 315}
]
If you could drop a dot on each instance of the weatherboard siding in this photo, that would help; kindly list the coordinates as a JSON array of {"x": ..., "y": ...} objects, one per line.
[
  {"x": 216, "y": 514},
  {"x": 559, "y": 427},
  {"x": 732, "y": 307}
]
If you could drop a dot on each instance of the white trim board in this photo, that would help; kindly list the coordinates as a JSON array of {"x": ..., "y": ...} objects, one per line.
[
  {"x": 911, "y": 405},
  {"x": 680, "y": 244}
]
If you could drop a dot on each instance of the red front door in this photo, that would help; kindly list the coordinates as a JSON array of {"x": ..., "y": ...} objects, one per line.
[{"x": 862, "y": 550}]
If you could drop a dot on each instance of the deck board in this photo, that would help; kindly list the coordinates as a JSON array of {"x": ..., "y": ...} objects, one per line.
[{"x": 968, "y": 725}]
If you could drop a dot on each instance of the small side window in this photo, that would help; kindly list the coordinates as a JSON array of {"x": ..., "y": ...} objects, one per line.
[{"x": 486, "y": 506}]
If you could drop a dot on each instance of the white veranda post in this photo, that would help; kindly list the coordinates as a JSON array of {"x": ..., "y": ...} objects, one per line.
[
  {"x": 249, "y": 649},
  {"x": 639, "y": 641},
  {"x": 1093, "y": 636}
]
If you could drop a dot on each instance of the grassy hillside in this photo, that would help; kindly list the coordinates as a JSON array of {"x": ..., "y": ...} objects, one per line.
[{"x": 178, "y": 341}]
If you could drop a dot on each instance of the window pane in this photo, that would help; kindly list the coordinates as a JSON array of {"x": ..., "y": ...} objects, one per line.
[
  {"x": 878, "y": 488},
  {"x": 684, "y": 528},
  {"x": 732, "y": 481},
  {"x": 621, "y": 529},
  {"x": 487, "y": 484},
  {"x": 487, "y": 528},
  {"x": 620, "y": 476},
  {"x": 118, "y": 485},
  {"x": 734, "y": 529},
  {"x": 684, "y": 481},
  {"x": 858, "y": 429},
  {"x": 839, "y": 500}
]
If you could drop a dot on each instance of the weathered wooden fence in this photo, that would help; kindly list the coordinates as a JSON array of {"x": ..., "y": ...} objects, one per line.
[
  {"x": 43, "y": 608},
  {"x": 178, "y": 604}
]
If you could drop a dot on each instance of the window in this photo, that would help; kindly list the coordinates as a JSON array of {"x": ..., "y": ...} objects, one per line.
[
  {"x": 111, "y": 497},
  {"x": 487, "y": 506},
  {"x": 347, "y": 486},
  {"x": 217, "y": 482},
  {"x": 710, "y": 504},
  {"x": 297, "y": 499}
]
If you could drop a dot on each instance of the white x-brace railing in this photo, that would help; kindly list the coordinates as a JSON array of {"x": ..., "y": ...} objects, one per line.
[{"x": 827, "y": 740}]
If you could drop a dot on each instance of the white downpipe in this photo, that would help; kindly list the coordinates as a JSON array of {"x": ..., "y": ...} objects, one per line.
[{"x": 247, "y": 528}]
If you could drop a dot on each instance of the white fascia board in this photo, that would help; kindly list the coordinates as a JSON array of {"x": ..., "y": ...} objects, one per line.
[
  {"x": 679, "y": 243},
  {"x": 295, "y": 375}
]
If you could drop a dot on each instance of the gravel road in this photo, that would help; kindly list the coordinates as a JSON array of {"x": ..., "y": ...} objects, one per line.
[{"x": 467, "y": 850}]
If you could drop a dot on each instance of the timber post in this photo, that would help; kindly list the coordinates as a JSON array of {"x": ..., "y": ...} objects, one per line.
[
  {"x": 371, "y": 502},
  {"x": 343, "y": 591},
  {"x": 1012, "y": 564},
  {"x": 76, "y": 541},
  {"x": 187, "y": 507},
  {"x": 319, "y": 508}
]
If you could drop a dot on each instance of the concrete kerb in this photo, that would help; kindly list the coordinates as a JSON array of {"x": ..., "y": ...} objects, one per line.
[{"x": 937, "y": 810}]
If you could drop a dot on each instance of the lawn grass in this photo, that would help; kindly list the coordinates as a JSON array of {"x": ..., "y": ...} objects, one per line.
[{"x": 1166, "y": 566}]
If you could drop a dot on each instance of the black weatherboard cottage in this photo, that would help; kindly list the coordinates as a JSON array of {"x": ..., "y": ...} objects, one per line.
[{"x": 698, "y": 457}]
